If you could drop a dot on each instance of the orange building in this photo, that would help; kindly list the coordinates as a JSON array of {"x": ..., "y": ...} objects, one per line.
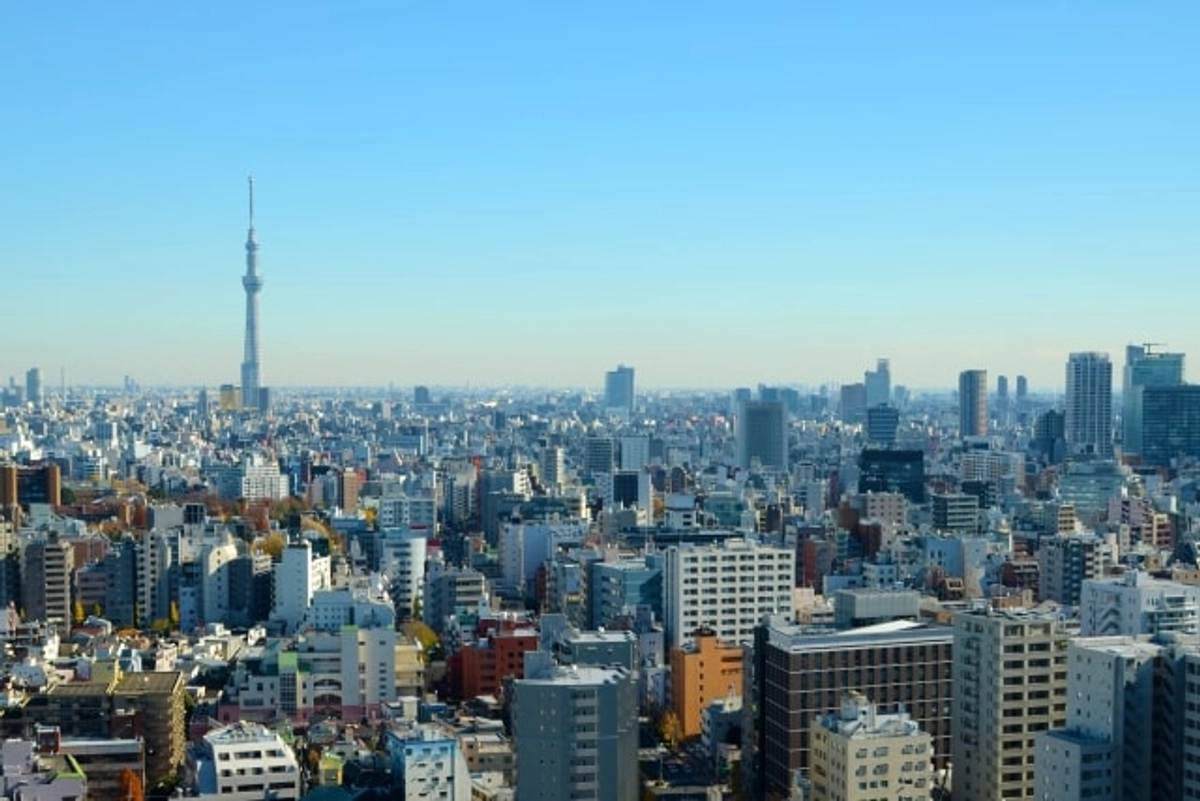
[{"x": 702, "y": 672}]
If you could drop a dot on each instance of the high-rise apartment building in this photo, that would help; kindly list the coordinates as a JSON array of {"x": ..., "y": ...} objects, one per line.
[
  {"x": 1089, "y": 405},
  {"x": 1010, "y": 682},
  {"x": 725, "y": 587},
  {"x": 972, "y": 403},
  {"x": 618, "y": 389},
  {"x": 575, "y": 730},
  {"x": 762, "y": 434},
  {"x": 1143, "y": 368},
  {"x": 46, "y": 566}
]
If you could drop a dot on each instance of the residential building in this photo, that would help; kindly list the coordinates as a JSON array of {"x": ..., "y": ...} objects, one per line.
[
  {"x": 1089, "y": 405},
  {"x": 726, "y": 587},
  {"x": 702, "y": 671},
  {"x": 860, "y": 754},
  {"x": 1010, "y": 682},
  {"x": 973, "y": 403},
  {"x": 242, "y": 762},
  {"x": 578, "y": 726}
]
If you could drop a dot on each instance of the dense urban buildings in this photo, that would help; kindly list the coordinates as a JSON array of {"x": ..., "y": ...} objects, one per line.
[{"x": 753, "y": 583}]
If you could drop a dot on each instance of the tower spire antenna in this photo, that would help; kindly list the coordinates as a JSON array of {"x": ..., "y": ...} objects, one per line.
[{"x": 250, "y": 179}]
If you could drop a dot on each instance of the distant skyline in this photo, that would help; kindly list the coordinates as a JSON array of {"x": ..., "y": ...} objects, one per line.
[{"x": 534, "y": 194}]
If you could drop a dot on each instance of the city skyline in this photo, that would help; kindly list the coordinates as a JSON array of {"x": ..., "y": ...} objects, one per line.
[{"x": 531, "y": 196}]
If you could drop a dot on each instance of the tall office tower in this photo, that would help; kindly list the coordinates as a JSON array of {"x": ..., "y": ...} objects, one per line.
[
  {"x": 1143, "y": 368},
  {"x": 972, "y": 403},
  {"x": 794, "y": 674},
  {"x": 1022, "y": 389},
  {"x": 762, "y": 434},
  {"x": 1170, "y": 425},
  {"x": 575, "y": 730},
  {"x": 618, "y": 389},
  {"x": 1010, "y": 681},
  {"x": 1002, "y": 404},
  {"x": 853, "y": 403},
  {"x": 858, "y": 750},
  {"x": 1089, "y": 405},
  {"x": 252, "y": 283},
  {"x": 33, "y": 386},
  {"x": 878, "y": 384}
]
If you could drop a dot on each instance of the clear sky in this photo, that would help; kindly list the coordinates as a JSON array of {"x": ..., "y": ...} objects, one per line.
[{"x": 717, "y": 194}]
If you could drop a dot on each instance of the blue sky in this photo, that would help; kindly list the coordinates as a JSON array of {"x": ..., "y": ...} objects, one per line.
[{"x": 531, "y": 193}]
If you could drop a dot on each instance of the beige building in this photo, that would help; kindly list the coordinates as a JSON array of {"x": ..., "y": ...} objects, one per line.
[
  {"x": 861, "y": 755},
  {"x": 1010, "y": 683}
]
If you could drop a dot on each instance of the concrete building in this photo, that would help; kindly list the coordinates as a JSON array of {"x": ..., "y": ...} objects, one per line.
[
  {"x": 1089, "y": 405},
  {"x": 794, "y": 675},
  {"x": 47, "y": 561},
  {"x": 427, "y": 764},
  {"x": 1137, "y": 603},
  {"x": 618, "y": 389},
  {"x": 1066, "y": 561},
  {"x": 859, "y": 754},
  {"x": 761, "y": 431},
  {"x": 242, "y": 762},
  {"x": 578, "y": 726},
  {"x": 726, "y": 587},
  {"x": 702, "y": 671},
  {"x": 619, "y": 587},
  {"x": 1143, "y": 368},
  {"x": 298, "y": 575},
  {"x": 1010, "y": 682},
  {"x": 973, "y": 403},
  {"x": 955, "y": 513}
]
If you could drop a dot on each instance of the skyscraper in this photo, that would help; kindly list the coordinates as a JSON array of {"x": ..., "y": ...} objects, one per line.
[
  {"x": 252, "y": 283},
  {"x": 879, "y": 384},
  {"x": 1143, "y": 368},
  {"x": 33, "y": 386},
  {"x": 762, "y": 434},
  {"x": 618, "y": 388},
  {"x": 972, "y": 403},
  {"x": 1089, "y": 405}
]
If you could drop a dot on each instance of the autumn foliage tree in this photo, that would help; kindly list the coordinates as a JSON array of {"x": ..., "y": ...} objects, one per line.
[{"x": 131, "y": 786}]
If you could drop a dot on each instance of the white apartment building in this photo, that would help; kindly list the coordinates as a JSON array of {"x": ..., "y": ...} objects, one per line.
[
  {"x": 364, "y": 603},
  {"x": 403, "y": 552},
  {"x": 727, "y": 587},
  {"x": 861, "y": 755},
  {"x": 298, "y": 575},
  {"x": 243, "y": 762},
  {"x": 1138, "y": 604},
  {"x": 407, "y": 511}
]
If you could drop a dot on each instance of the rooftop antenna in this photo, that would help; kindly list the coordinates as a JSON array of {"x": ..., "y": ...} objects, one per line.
[{"x": 250, "y": 179}]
